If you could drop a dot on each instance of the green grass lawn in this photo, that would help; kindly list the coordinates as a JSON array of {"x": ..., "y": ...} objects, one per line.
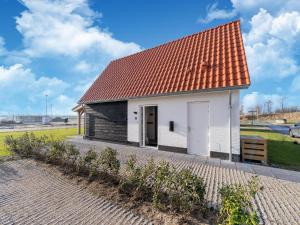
[
  {"x": 282, "y": 151},
  {"x": 60, "y": 133}
]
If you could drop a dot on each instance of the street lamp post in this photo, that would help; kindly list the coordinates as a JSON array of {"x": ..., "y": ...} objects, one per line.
[{"x": 46, "y": 104}]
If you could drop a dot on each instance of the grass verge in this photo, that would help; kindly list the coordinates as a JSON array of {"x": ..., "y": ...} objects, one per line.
[{"x": 60, "y": 134}]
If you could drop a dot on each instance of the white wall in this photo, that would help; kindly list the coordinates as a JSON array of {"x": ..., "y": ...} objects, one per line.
[{"x": 174, "y": 108}]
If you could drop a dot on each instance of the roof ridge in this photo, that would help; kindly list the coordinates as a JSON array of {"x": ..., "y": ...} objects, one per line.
[{"x": 179, "y": 39}]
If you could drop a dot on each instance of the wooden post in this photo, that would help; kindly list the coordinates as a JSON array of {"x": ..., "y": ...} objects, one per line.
[
  {"x": 80, "y": 110},
  {"x": 79, "y": 123}
]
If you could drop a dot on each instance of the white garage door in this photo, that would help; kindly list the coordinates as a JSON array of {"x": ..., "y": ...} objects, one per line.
[{"x": 198, "y": 128}]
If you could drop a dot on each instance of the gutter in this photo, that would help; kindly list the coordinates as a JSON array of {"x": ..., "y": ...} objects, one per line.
[{"x": 169, "y": 94}]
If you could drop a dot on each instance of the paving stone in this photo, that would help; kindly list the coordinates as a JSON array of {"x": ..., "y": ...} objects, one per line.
[
  {"x": 277, "y": 203},
  {"x": 31, "y": 194}
]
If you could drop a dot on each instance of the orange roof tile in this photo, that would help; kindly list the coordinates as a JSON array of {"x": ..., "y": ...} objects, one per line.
[{"x": 211, "y": 59}]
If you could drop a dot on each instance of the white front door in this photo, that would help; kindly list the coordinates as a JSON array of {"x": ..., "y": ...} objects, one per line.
[{"x": 198, "y": 128}]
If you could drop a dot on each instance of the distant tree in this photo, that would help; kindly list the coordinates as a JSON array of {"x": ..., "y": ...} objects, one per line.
[
  {"x": 258, "y": 109},
  {"x": 282, "y": 103},
  {"x": 268, "y": 106},
  {"x": 242, "y": 110},
  {"x": 292, "y": 109}
]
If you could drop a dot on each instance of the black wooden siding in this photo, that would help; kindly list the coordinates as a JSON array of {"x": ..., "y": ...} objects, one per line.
[{"x": 107, "y": 121}]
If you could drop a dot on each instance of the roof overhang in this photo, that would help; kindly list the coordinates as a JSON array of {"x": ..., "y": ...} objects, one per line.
[
  {"x": 210, "y": 90},
  {"x": 78, "y": 108}
]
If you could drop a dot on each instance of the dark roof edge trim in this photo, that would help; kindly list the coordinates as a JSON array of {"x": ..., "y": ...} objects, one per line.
[{"x": 170, "y": 94}]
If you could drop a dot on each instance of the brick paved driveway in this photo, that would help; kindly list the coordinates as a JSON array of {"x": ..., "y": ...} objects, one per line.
[
  {"x": 278, "y": 203},
  {"x": 32, "y": 194}
]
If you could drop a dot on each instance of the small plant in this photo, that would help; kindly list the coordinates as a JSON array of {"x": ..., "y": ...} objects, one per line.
[
  {"x": 129, "y": 183},
  {"x": 71, "y": 156},
  {"x": 132, "y": 171},
  {"x": 71, "y": 153},
  {"x": 236, "y": 204},
  {"x": 188, "y": 191},
  {"x": 146, "y": 179},
  {"x": 87, "y": 164},
  {"x": 162, "y": 184},
  {"x": 56, "y": 152},
  {"x": 11, "y": 143},
  {"x": 26, "y": 145},
  {"x": 109, "y": 162},
  {"x": 93, "y": 168},
  {"x": 162, "y": 181}
]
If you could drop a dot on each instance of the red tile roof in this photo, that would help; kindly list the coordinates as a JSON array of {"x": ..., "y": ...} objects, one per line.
[{"x": 211, "y": 59}]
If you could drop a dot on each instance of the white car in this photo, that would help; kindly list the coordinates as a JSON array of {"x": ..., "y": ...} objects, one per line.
[{"x": 295, "y": 130}]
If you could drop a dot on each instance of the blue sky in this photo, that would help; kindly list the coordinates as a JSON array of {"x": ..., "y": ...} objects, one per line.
[{"x": 58, "y": 47}]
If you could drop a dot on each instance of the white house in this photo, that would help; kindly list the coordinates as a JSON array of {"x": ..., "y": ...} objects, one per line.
[{"x": 182, "y": 96}]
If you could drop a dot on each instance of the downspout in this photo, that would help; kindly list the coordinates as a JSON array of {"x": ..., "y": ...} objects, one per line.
[{"x": 230, "y": 126}]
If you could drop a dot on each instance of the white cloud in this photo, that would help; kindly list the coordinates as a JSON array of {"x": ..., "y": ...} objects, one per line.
[
  {"x": 270, "y": 44},
  {"x": 63, "y": 98},
  {"x": 61, "y": 30},
  {"x": 84, "y": 67},
  {"x": 252, "y": 6},
  {"x": 260, "y": 27},
  {"x": 21, "y": 90},
  {"x": 250, "y": 101},
  {"x": 214, "y": 13},
  {"x": 270, "y": 60},
  {"x": 67, "y": 28},
  {"x": 84, "y": 84},
  {"x": 2, "y": 47},
  {"x": 287, "y": 27},
  {"x": 63, "y": 105},
  {"x": 247, "y": 8}
]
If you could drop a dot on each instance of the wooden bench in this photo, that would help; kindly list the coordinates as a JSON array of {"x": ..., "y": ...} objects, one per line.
[{"x": 254, "y": 148}]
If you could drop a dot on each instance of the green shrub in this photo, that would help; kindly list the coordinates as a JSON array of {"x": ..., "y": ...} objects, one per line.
[
  {"x": 109, "y": 162},
  {"x": 11, "y": 143},
  {"x": 162, "y": 184},
  {"x": 26, "y": 145},
  {"x": 186, "y": 191},
  {"x": 139, "y": 179},
  {"x": 88, "y": 164},
  {"x": 71, "y": 153},
  {"x": 162, "y": 181},
  {"x": 56, "y": 152},
  {"x": 38, "y": 145},
  {"x": 71, "y": 157},
  {"x": 90, "y": 156},
  {"x": 147, "y": 173},
  {"x": 178, "y": 190},
  {"x": 236, "y": 204},
  {"x": 132, "y": 170},
  {"x": 129, "y": 182}
]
